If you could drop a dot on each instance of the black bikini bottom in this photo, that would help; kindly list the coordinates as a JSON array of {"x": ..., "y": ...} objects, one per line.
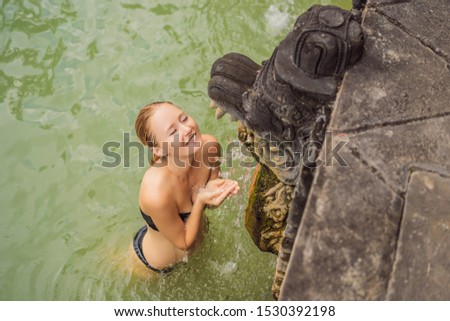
[{"x": 137, "y": 244}]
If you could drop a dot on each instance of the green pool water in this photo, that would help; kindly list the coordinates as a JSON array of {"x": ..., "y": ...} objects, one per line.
[{"x": 73, "y": 75}]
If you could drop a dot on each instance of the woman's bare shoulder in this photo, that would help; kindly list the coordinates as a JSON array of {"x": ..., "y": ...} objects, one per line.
[{"x": 155, "y": 190}]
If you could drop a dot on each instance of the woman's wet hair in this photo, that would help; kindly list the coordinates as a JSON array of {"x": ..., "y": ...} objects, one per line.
[{"x": 143, "y": 131}]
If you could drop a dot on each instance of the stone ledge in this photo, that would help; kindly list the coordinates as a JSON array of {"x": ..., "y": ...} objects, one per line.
[
  {"x": 346, "y": 242},
  {"x": 420, "y": 20},
  {"x": 397, "y": 80},
  {"x": 421, "y": 270},
  {"x": 392, "y": 151},
  {"x": 393, "y": 109}
]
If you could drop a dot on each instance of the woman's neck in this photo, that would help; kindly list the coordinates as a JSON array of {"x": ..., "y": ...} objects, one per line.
[{"x": 181, "y": 168}]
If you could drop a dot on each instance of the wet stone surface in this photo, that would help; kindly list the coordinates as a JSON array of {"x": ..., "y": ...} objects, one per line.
[
  {"x": 419, "y": 19},
  {"x": 345, "y": 245},
  {"x": 392, "y": 152},
  {"x": 421, "y": 270},
  {"x": 397, "y": 80},
  {"x": 379, "y": 228}
]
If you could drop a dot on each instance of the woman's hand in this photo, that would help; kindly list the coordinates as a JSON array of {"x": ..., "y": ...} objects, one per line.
[
  {"x": 221, "y": 183},
  {"x": 215, "y": 192}
]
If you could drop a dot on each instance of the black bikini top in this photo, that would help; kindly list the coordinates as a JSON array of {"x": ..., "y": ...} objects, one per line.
[
  {"x": 183, "y": 216},
  {"x": 148, "y": 219}
]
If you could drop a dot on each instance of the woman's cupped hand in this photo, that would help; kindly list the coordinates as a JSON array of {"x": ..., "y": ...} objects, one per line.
[{"x": 217, "y": 190}]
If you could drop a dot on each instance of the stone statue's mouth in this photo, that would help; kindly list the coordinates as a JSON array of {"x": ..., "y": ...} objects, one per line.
[
  {"x": 220, "y": 111},
  {"x": 231, "y": 77}
]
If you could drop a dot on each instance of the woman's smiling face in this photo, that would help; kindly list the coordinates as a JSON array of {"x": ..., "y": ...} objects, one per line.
[{"x": 176, "y": 133}]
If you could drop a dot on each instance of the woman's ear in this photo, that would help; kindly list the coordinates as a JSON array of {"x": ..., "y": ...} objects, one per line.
[{"x": 156, "y": 151}]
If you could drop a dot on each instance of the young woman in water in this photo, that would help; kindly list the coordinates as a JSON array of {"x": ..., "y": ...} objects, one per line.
[{"x": 182, "y": 181}]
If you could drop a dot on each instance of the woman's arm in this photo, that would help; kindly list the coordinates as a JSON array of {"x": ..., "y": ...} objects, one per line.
[
  {"x": 213, "y": 194},
  {"x": 166, "y": 218},
  {"x": 164, "y": 213},
  {"x": 212, "y": 158},
  {"x": 212, "y": 152}
]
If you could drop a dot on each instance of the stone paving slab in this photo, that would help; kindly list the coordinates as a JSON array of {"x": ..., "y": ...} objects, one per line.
[
  {"x": 346, "y": 244},
  {"x": 419, "y": 19},
  {"x": 376, "y": 2},
  {"x": 393, "y": 151},
  {"x": 397, "y": 2},
  {"x": 397, "y": 80},
  {"x": 421, "y": 270}
]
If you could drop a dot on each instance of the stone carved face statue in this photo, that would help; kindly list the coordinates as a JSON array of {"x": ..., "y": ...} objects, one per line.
[
  {"x": 283, "y": 107},
  {"x": 283, "y": 99}
]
